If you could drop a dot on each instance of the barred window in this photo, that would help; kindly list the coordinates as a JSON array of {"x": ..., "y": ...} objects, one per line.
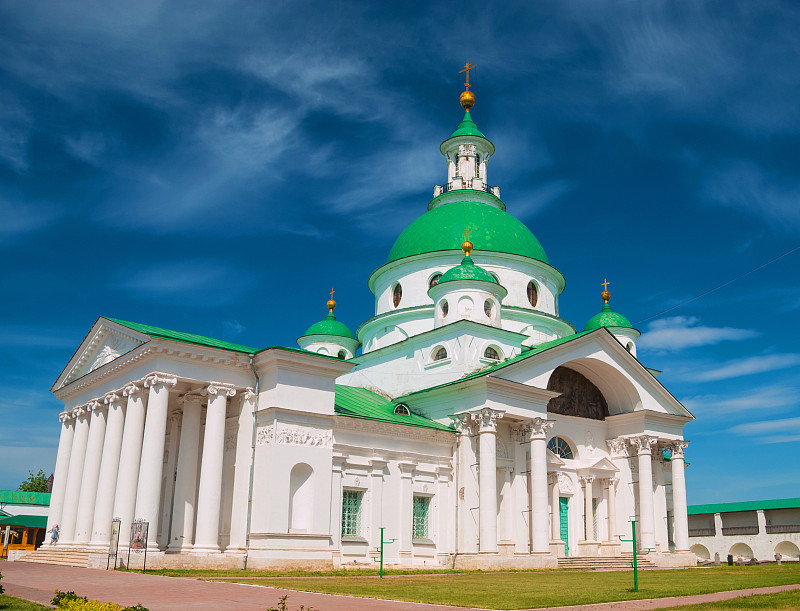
[
  {"x": 351, "y": 512},
  {"x": 422, "y": 507}
]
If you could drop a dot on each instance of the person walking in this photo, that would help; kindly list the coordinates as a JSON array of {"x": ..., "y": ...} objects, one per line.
[{"x": 54, "y": 535}]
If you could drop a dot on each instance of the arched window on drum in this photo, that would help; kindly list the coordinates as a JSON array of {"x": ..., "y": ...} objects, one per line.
[{"x": 559, "y": 447}]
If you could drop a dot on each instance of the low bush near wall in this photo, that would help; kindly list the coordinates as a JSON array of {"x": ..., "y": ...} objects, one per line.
[
  {"x": 72, "y": 602},
  {"x": 282, "y": 606}
]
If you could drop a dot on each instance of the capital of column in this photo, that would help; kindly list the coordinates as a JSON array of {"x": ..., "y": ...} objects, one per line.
[
  {"x": 175, "y": 416},
  {"x": 643, "y": 443},
  {"x": 94, "y": 404},
  {"x": 486, "y": 419},
  {"x": 552, "y": 478},
  {"x": 158, "y": 378},
  {"x": 618, "y": 447},
  {"x": 248, "y": 394},
  {"x": 220, "y": 388},
  {"x": 65, "y": 416},
  {"x": 407, "y": 469},
  {"x": 677, "y": 447},
  {"x": 79, "y": 410},
  {"x": 608, "y": 482},
  {"x": 586, "y": 479},
  {"x": 444, "y": 473},
  {"x": 131, "y": 389},
  {"x": 193, "y": 396},
  {"x": 539, "y": 428},
  {"x": 114, "y": 396}
]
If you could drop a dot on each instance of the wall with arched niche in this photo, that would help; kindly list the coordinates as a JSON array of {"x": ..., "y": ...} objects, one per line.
[{"x": 301, "y": 499}]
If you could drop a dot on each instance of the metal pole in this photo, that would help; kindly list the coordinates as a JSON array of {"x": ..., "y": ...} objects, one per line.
[
  {"x": 381, "y": 572},
  {"x": 635, "y": 556}
]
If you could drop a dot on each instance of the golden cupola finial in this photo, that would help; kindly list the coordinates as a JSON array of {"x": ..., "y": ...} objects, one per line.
[
  {"x": 466, "y": 245},
  {"x": 605, "y": 295},
  {"x": 331, "y": 303},
  {"x": 467, "y": 97}
]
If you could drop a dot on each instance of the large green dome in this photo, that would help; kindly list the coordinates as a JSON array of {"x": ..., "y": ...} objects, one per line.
[{"x": 491, "y": 230}]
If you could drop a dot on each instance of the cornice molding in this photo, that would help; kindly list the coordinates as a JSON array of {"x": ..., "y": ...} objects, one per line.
[{"x": 347, "y": 423}]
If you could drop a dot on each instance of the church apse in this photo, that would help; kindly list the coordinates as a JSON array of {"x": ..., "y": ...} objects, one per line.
[{"x": 579, "y": 397}]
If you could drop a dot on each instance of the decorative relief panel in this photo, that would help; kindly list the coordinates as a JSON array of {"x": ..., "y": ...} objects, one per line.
[
  {"x": 265, "y": 435},
  {"x": 565, "y": 484},
  {"x": 294, "y": 435}
]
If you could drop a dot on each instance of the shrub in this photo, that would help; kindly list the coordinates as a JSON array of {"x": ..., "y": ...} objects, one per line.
[
  {"x": 62, "y": 598},
  {"x": 1, "y": 585},
  {"x": 69, "y": 601},
  {"x": 282, "y": 606}
]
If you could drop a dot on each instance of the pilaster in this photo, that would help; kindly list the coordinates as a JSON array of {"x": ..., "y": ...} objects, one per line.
[{"x": 539, "y": 510}]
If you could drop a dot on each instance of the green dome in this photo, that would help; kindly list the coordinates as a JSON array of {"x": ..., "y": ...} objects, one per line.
[
  {"x": 467, "y": 127},
  {"x": 492, "y": 230},
  {"x": 329, "y": 326},
  {"x": 467, "y": 271},
  {"x": 607, "y": 318}
]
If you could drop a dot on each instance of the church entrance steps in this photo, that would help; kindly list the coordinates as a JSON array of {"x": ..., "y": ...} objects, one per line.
[
  {"x": 63, "y": 556},
  {"x": 624, "y": 561}
]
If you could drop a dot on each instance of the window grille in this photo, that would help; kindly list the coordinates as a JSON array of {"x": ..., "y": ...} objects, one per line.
[
  {"x": 559, "y": 447},
  {"x": 351, "y": 512},
  {"x": 422, "y": 506}
]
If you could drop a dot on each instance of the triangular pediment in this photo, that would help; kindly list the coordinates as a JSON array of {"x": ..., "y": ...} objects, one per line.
[
  {"x": 554, "y": 460},
  {"x": 105, "y": 342},
  {"x": 604, "y": 465}
]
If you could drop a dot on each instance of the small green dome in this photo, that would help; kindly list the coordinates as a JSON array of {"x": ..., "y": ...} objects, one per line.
[
  {"x": 607, "y": 318},
  {"x": 467, "y": 127},
  {"x": 330, "y": 326},
  {"x": 467, "y": 271},
  {"x": 493, "y": 229}
]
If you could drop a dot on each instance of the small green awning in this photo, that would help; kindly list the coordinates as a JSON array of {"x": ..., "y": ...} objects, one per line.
[{"x": 25, "y": 521}]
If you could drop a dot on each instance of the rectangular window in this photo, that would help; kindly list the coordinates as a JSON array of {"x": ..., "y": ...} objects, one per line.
[
  {"x": 420, "y": 525},
  {"x": 351, "y": 512}
]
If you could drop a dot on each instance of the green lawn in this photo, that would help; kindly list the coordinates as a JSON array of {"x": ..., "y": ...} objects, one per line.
[
  {"x": 520, "y": 590},
  {"x": 784, "y": 601},
  {"x": 9, "y": 603}
]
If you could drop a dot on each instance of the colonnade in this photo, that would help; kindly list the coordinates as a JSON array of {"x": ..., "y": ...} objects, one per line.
[
  {"x": 111, "y": 460},
  {"x": 544, "y": 502}
]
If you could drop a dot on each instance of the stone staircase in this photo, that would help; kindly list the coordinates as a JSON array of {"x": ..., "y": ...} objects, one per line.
[
  {"x": 56, "y": 555},
  {"x": 603, "y": 562}
]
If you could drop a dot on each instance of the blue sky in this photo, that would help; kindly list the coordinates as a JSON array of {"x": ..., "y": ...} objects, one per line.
[{"x": 217, "y": 167}]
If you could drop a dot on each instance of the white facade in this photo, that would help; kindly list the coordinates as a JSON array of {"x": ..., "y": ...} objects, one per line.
[{"x": 489, "y": 435}]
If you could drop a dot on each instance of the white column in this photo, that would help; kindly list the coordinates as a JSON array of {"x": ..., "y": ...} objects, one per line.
[
  {"x": 555, "y": 511},
  {"x": 467, "y": 486},
  {"x": 644, "y": 447},
  {"x": 588, "y": 509},
  {"x": 185, "y": 501},
  {"x": 486, "y": 421},
  {"x": 539, "y": 513},
  {"x": 151, "y": 466},
  {"x": 62, "y": 467},
  {"x": 507, "y": 531},
  {"x": 109, "y": 466},
  {"x": 210, "y": 490},
  {"x": 91, "y": 472},
  {"x": 522, "y": 531},
  {"x": 130, "y": 454},
  {"x": 611, "y": 487},
  {"x": 75, "y": 474},
  {"x": 170, "y": 467},
  {"x": 679, "y": 511},
  {"x": 241, "y": 473}
]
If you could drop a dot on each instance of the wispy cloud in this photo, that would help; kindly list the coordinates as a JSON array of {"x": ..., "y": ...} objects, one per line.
[
  {"x": 681, "y": 332},
  {"x": 777, "y": 397},
  {"x": 746, "y": 366},
  {"x": 784, "y": 430}
]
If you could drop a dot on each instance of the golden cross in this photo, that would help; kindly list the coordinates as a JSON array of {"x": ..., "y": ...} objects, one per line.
[
  {"x": 466, "y": 234},
  {"x": 605, "y": 284},
  {"x": 332, "y": 292},
  {"x": 467, "y": 68}
]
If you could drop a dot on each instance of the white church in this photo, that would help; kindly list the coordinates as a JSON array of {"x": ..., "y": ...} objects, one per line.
[{"x": 475, "y": 426}]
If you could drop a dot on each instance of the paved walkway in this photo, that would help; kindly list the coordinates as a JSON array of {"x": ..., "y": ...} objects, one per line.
[{"x": 38, "y": 582}]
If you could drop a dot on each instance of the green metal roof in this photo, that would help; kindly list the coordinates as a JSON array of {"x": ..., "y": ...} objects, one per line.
[
  {"x": 467, "y": 127},
  {"x": 467, "y": 271},
  {"x": 189, "y": 338},
  {"x": 492, "y": 229},
  {"x": 19, "y": 497},
  {"x": 25, "y": 521},
  {"x": 607, "y": 318},
  {"x": 744, "y": 506},
  {"x": 330, "y": 326},
  {"x": 362, "y": 403}
]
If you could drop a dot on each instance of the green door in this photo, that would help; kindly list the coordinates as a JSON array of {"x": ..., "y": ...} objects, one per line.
[{"x": 563, "y": 514}]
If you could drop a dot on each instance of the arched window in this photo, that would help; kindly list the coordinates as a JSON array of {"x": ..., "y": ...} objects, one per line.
[
  {"x": 491, "y": 353},
  {"x": 434, "y": 280},
  {"x": 397, "y": 294},
  {"x": 444, "y": 308},
  {"x": 342, "y": 354},
  {"x": 301, "y": 499},
  {"x": 559, "y": 447},
  {"x": 440, "y": 354},
  {"x": 488, "y": 308},
  {"x": 533, "y": 294},
  {"x": 402, "y": 410}
]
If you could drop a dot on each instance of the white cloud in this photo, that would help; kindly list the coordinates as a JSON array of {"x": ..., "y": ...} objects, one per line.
[
  {"x": 747, "y": 366},
  {"x": 775, "y": 398},
  {"x": 680, "y": 332},
  {"x": 784, "y": 430}
]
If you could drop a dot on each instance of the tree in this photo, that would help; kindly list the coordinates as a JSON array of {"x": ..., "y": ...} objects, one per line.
[{"x": 34, "y": 483}]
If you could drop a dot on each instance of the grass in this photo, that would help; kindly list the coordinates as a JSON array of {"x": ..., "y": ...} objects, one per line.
[
  {"x": 9, "y": 603},
  {"x": 515, "y": 590},
  {"x": 783, "y": 601}
]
